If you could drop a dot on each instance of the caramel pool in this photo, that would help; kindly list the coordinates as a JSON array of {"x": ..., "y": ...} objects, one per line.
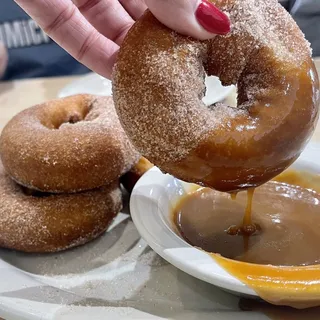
[{"x": 280, "y": 260}]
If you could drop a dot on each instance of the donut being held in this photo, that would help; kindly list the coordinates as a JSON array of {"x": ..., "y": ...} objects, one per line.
[
  {"x": 67, "y": 145},
  {"x": 158, "y": 87},
  {"x": 130, "y": 179},
  {"x": 35, "y": 222}
]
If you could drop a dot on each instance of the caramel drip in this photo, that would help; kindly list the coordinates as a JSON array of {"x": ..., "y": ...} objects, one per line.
[
  {"x": 247, "y": 228},
  {"x": 247, "y": 219},
  {"x": 233, "y": 195}
]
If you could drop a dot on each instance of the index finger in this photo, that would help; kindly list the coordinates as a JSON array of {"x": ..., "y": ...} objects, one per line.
[{"x": 63, "y": 22}]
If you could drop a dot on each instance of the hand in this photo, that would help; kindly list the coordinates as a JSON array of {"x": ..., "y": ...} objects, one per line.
[
  {"x": 3, "y": 59},
  {"x": 92, "y": 30}
]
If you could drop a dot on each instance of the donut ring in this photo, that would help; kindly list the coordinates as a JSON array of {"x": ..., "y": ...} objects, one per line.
[
  {"x": 159, "y": 83},
  {"x": 67, "y": 145},
  {"x": 50, "y": 223}
]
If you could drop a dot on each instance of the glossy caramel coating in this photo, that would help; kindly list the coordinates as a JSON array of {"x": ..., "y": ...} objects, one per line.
[
  {"x": 67, "y": 145},
  {"x": 159, "y": 83},
  {"x": 130, "y": 179},
  {"x": 35, "y": 222}
]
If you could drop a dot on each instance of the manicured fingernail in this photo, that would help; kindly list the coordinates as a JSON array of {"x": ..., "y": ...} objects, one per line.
[{"x": 212, "y": 19}]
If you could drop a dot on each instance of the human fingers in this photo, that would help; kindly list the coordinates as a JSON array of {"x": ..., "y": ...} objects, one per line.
[
  {"x": 134, "y": 7},
  {"x": 108, "y": 17},
  {"x": 196, "y": 18},
  {"x": 64, "y": 23}
]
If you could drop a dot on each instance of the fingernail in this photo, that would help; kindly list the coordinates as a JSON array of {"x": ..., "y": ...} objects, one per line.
[{"x": 212, "y": 19}]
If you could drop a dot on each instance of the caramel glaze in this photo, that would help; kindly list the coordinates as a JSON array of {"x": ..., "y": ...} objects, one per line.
[
  {"x": 271, "y": 131},
  {"x": 158, "y": 85},
  {"x": 130, "y": 179},
  {"x": 281, "y": 260}
]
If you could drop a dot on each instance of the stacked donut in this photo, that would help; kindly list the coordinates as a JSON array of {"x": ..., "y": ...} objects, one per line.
[{"x": 60, "y": 171}]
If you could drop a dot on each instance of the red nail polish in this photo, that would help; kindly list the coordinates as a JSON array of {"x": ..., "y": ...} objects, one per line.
[{"x": 212, "y": 19}]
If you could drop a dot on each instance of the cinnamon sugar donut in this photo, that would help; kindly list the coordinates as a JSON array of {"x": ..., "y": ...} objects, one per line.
[
  {"x": 67, "y": 145},
  {"x": 48, "y": 223},
  {"x": 159, "y": 85},
  {"x": 130, "y": 179}
]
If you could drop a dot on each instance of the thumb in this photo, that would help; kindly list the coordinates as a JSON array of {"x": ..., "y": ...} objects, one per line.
[{"x": 199, "y": 19}]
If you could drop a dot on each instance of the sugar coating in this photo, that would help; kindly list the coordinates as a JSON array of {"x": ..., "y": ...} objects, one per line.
[
  {"x": 159, "y": 76},
  {"x": 51, "y": 223},
  {"x": 41, "y": 148}
]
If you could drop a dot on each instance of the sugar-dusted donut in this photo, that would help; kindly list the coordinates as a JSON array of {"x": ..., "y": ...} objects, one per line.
[
  {"x": 34, "y": 222},
  {"x": 67, "y": 145},
  {"x": 158, "y": 87}
]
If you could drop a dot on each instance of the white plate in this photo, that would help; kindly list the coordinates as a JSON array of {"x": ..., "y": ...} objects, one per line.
[
  {"x": 116, "y": 277},
  {"x": 151, "y": 205},
  {"x": 95, "y": 84}
]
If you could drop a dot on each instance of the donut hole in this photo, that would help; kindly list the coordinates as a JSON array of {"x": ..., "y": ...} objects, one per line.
[
  {"x": 71, "y": 118},
  {"x": 87, "y": 115},
  {"x": 215, "y": 92},
  {"x": 58, "y": 116},
  {"x": 74, "y": 118}
]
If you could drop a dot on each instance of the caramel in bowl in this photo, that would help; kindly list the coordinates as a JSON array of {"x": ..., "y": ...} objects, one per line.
[{"x": 279, "y": 262}]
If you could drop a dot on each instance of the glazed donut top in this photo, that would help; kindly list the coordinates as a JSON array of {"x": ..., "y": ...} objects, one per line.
[
  {"x": 159, "y": 85},
  {"x": 67, "y": 145},
  {"x": 264, "y": 31}
]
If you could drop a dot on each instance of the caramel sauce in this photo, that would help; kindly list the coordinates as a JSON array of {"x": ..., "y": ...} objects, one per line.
[
  {"x": 233, "y": 195},
  {"x": 247, "y": 221},
  {"x": 280, "y": 261},
  {"x": 247, "y": 227},
  {"x": 129, "y": 179},
  {"x": 305, "y": 180}
]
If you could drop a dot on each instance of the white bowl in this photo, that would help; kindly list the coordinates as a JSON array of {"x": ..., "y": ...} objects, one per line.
[
  {"x": 97, "y": 85},
  {"x": 151, "y": 205}
]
